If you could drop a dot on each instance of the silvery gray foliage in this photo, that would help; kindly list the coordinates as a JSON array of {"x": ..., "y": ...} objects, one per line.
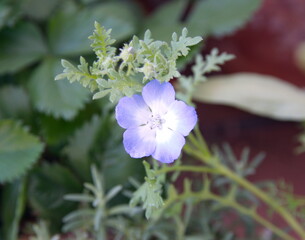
[{"x": 124, "y": 72}]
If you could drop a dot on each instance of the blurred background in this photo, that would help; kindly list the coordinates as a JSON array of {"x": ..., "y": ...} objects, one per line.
[{"x": 266, "y": 36}]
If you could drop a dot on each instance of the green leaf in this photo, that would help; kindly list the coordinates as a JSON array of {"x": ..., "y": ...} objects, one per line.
[
  {"x": 80, "y": 74},
  {"x": 79, "y": 146},
  {"x": 9, "y": 13},
  {"x": 48, "y": 185},
  {"x": 58, "y": 98},
  {"x": 180, "y": 46},
  {"x": 220, "y": 17},
  {"x": 20, "y": 47},
  {"x": 19, "y": 150},
  {"x": 166, "y": 20},
  {"x": 102, "y": 41},
  {"x": 187, "y": 85},
  {"x": 68, "y": 33},
  {"x": 56, "y": 131},
  {"x": 149, "y": 195},
  {"x": 14, "y": 102},
  {"x": 12, "y": 208},
  {"x": 38, "y": 9},
  {"x": 99, "y": 141}
]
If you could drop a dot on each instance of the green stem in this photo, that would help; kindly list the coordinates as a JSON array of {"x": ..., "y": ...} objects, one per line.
[
  {"x": 233, "y": 204},
  {"x": 180, "y": 228},
  {"x": 202, "y": 152},
  {"x": 265, "y": 198},
  {"x": 185, "y": 168}
]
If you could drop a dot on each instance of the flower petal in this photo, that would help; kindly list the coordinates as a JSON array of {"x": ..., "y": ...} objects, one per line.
[
  {"x": 132, "y": 112},
  {"x": 180, "y": 117},
  {"x": 158, "y": 96},
  {"x": 139, "y": 141},
  {"x": 168, "y": 145}
]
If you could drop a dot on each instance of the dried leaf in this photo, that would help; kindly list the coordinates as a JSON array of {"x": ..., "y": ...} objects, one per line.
[{"x": 263, "y": 95}]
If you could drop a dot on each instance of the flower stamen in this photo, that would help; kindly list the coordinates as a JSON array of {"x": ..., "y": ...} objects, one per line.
[{"x": 156, "y": 121}]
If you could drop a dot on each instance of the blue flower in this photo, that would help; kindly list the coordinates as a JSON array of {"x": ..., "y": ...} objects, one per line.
[{"x": 155, "y": 122}]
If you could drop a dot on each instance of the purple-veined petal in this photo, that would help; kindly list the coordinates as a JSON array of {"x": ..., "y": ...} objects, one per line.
[
  {"x": 139, "y": 141},
  {"x": 132, "y": 111},
  {"x": 168, "y": 145},
  {"x": 180, "y": 117},
  {"x": 158, "y": 96}
]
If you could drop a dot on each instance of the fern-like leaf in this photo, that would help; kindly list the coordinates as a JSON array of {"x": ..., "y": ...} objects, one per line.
[
  {"x": 80, "y": 74},
  {"x": 102, "y": 41}
]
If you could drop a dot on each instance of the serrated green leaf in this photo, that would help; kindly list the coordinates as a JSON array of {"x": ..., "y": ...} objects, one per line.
[
  {"x": 220, "y": 17},
  {"x": 19, "y": 150},
  {"x": 79, "y": 146},
  {"x": 20, "y": 47},
  {"x": 14, "y": 102},
  {"x": 58, "y": 98},
  {"x": 68, "y": 33},
  {"x": 48, "y": 185}
]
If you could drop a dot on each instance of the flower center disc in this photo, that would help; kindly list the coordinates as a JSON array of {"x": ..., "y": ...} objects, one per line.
[{"x": 156, "y": 121}]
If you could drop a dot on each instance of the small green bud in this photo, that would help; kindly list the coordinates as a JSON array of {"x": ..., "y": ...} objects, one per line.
[
  {"x": 127, "y": 53},
  {"x": 149, "y": 70}
]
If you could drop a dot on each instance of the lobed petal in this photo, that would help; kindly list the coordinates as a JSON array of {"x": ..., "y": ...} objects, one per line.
[
  {"x": 139, "y": 141},
  {"x": 132, "y": 112},
  {"x": 180, "y": 117},
  {"x": 158, "y": 96},
  {"x": 168, "y": 145}
]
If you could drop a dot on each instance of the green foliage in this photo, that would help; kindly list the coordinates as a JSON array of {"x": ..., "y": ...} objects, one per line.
[
  {"x": 41, "y": 231},
  {"x": 13, "y": 202},
  {"x": 78, "y": 134},
  {"x": 101, "y": 42},
  {"x": 99, "y": 142},
  {"x": 58, "y": 98},
  {"x": 19, "y": 150},
  {"x": 80, "y": 144},
  {"x": 221, "y": 17},
  {"x": 206, "y": 17},
  {"x": 20, "y": 47},
  {"x": 80, "y": 74},
  {"x": 14, "y": 102},
  {"x": 287, "y": 197},
  {"x": 138, "y": 61},
  {"x": 68, "y": 32},
  {"x": 149, "y": 194},
  {"x": 38, "y": 9},
  {"x": 47, "y": 186},
  {"x": 187, "y": 85},
  {"x": 93, "y": 218}
]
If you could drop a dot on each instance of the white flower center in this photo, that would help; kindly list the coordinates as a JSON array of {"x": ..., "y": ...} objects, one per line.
[{"x": 155, "y": 121}]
